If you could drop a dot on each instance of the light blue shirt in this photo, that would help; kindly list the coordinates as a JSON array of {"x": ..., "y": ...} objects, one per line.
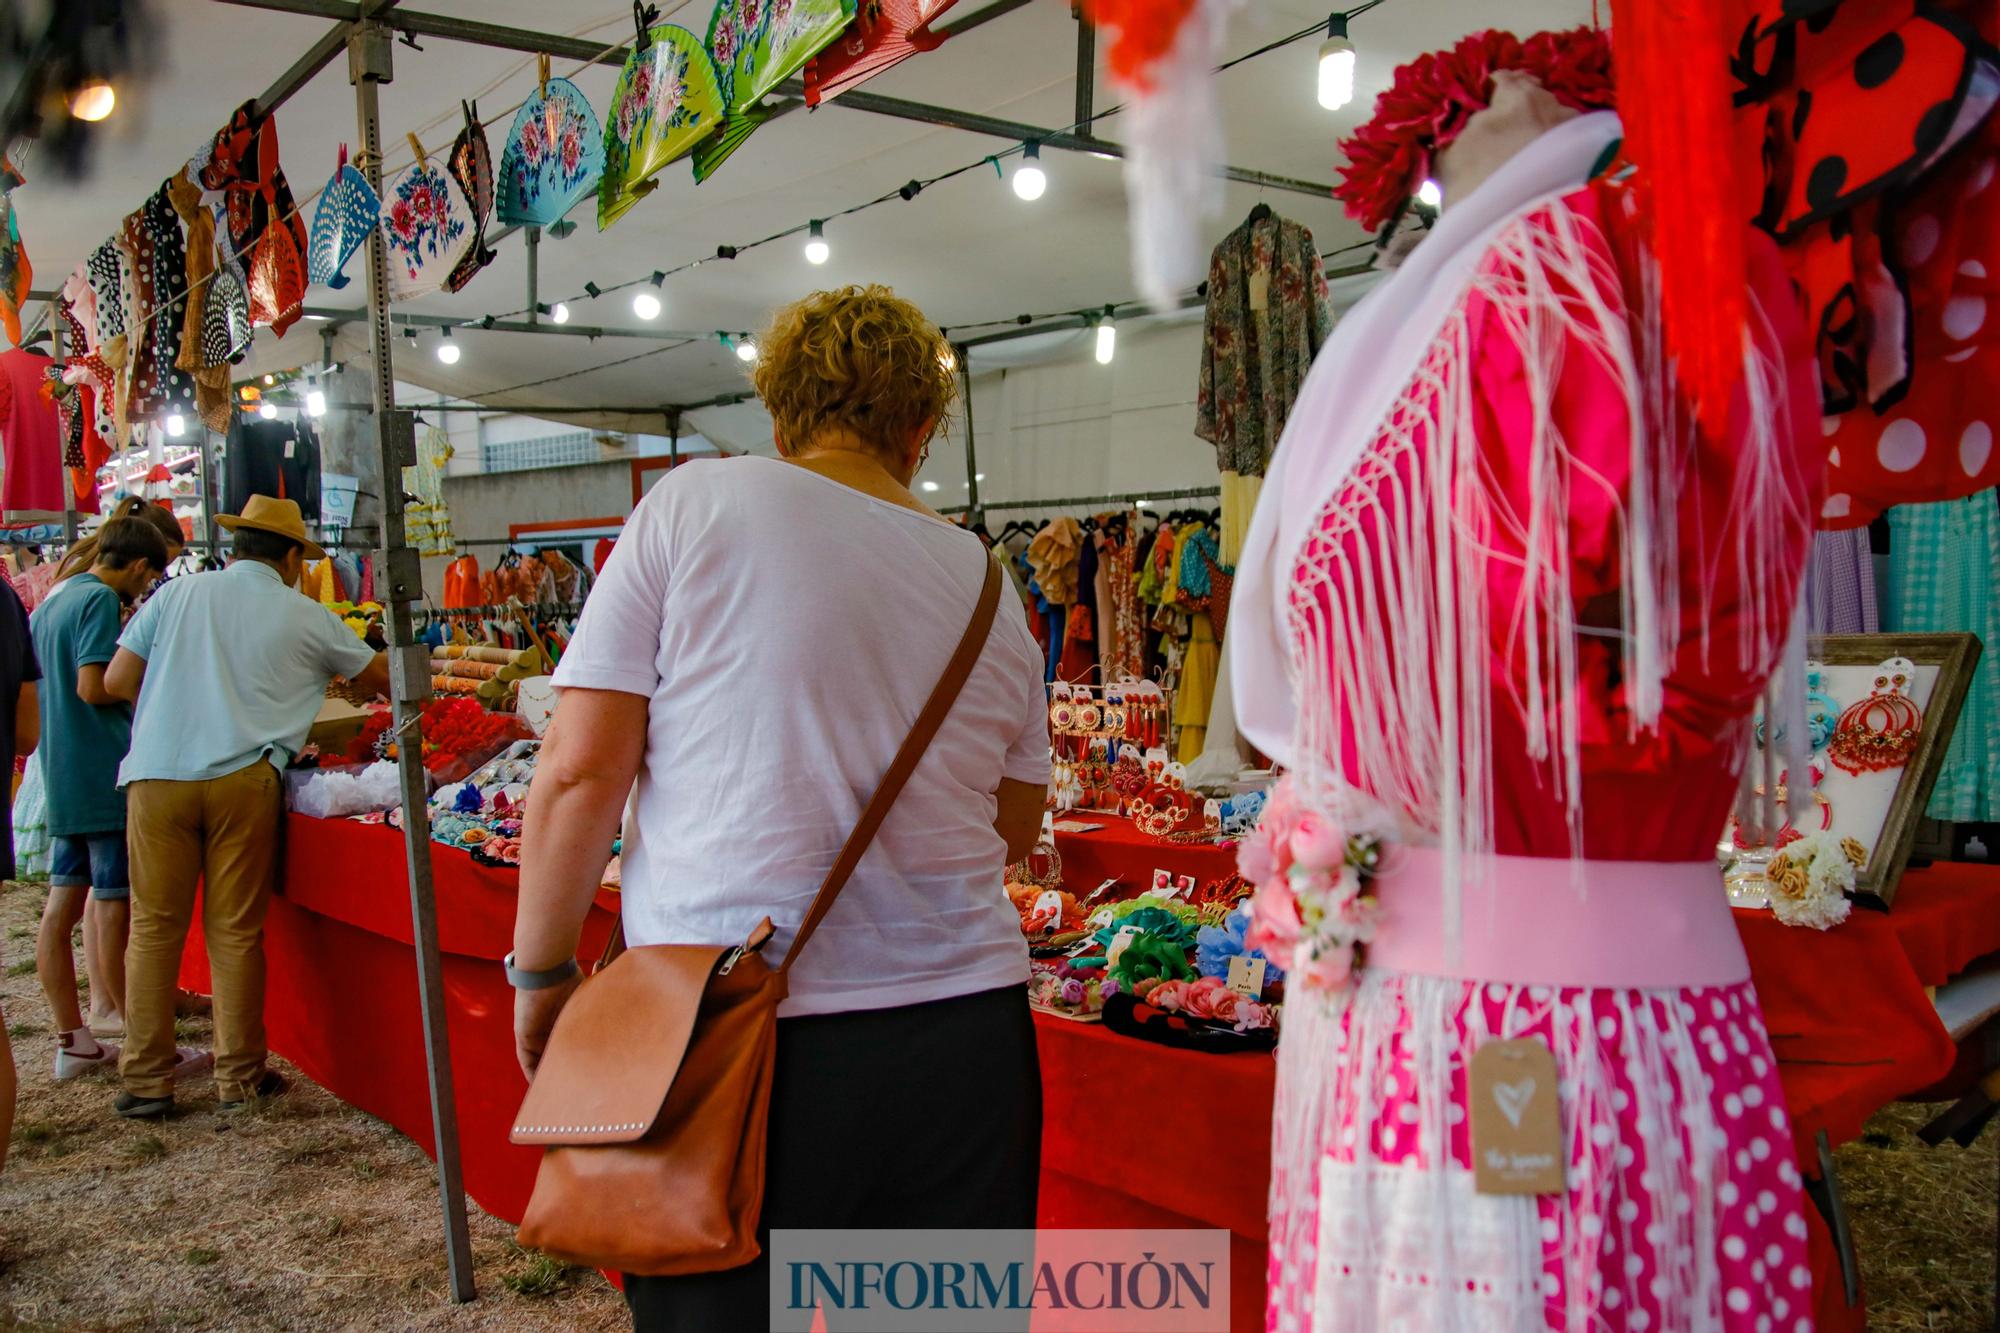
[{"x": 237, "y": 666}]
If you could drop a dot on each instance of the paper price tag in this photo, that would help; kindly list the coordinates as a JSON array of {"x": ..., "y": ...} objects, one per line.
[
  {"x": 1517, "y": 1145},
  {"x": 292, "y": 448},
  {"x": 1260, "y": 291},
  {"x": 1246, "y": 975}
]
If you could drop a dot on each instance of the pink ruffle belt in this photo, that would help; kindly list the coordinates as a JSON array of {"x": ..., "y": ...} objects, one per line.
[{"x": 1546, "y": 921}]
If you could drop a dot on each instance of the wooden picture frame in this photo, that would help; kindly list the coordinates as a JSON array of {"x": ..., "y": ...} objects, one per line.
[{"x": 1953, "y": 657}]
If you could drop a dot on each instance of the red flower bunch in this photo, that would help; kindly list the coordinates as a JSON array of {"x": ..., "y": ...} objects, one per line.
[
  {"x": 1431, "y": 99},
  {"x": 457, "y": 728}
]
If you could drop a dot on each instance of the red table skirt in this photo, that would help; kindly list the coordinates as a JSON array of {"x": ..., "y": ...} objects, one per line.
[
  {"x": 1847, "y": 1011},
  {"x": 1119, "y": 851}
]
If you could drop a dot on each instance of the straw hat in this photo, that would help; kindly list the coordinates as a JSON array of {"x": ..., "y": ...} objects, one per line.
[{"x": 279, "y": 516}]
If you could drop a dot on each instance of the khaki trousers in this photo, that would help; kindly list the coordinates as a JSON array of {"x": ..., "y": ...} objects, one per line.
[{"x": 221, "y": 834}]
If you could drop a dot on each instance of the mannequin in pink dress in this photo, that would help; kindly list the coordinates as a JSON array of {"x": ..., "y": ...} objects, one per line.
[{"x": 1508, "y": 608}]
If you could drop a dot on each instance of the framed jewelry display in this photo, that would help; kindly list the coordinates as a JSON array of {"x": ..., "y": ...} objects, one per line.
[{"x": 1880, "y": 709}]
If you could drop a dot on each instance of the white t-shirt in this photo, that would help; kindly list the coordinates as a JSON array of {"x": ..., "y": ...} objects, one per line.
[{"x": 787, "y": 630}]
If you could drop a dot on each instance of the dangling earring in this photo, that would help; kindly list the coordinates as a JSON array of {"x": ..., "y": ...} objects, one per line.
[{"x": 1881, "y": 731}]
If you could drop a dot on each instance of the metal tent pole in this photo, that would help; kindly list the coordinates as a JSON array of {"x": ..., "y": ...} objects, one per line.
[
  {"x": 534, "y": 244},
  {"x": 369, "y": 49},
  {"x": 68, "y": 485},
  {"x": 210, "y": 491},
  {"x": 964, "y": 355}
]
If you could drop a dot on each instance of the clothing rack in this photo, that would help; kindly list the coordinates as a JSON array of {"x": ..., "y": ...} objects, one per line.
[{"x": 1127, "y": 498}]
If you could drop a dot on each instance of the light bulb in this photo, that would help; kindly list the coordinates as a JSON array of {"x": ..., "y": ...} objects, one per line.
[
  {"x": 448, "y": 349},
  {"x": 267, "y": 410},
  {"x": 93, "y": 101},
  {"x": 646, "y": 305},
  {"x": 560, "y": 314},
  {"x": 817, "y": 250},
  {"x": 315, "y": 403},
  {"x": 1107, "y": 342},
  {"x": 270, "y": 379},
  {"x": 1429, "y": 193},
  {"x": 1336, "y": 68},
  {"x": 1029, "y": 182},
  {"x": 746, "y": 350},
  {"x": 927, "y": 485},
  {"x": 176, "y": 425}
]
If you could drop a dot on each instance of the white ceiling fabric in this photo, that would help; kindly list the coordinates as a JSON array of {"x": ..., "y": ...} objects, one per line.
[{"x": 966, "y": 250}]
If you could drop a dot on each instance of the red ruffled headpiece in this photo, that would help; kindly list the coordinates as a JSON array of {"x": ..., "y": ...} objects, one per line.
[{"x": 1430, "y": 100}]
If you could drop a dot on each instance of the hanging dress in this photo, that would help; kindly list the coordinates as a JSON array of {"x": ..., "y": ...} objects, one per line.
[
  {"x": 1944, "y": 560},
  {"x": 1443, "y": 513}
]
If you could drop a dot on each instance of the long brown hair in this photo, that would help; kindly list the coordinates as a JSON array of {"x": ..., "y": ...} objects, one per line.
[{"x": 84, "y": 554}]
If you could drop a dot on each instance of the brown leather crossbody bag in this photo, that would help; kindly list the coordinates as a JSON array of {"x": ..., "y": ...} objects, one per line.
[{"x": 654, "y": 1093}]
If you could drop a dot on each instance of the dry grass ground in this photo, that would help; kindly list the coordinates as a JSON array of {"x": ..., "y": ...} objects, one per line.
[
  {"x": 307, "y": 1214},
  {"x": 311, "y": 1215}
]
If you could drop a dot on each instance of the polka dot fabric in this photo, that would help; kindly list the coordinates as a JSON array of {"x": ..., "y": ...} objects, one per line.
[
  {"x": 1935, "y": 442},
  {"x": 1683, "y": 1206}
]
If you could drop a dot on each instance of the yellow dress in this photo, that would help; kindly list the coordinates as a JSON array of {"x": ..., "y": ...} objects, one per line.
[{"x": 1197, "y": 688}]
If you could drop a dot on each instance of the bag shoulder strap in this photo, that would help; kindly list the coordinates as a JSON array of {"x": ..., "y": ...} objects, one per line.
[{"x": 926, "y": 727}]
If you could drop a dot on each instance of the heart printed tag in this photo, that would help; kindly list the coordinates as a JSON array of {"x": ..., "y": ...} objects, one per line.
[{"x": 1517, "y": 1142}]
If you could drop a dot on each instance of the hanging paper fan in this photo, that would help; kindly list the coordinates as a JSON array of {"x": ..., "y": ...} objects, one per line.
[
  {"x": 669, "y": 99},
  {"x": 225, "y": 318},
  {"x": 757, "y": 45},
  {"x": 553, "y": 159},
  {"x": 472, "y": 167},
  {"x": 348, "y": 209},
  {"x": 884, "y": 34},
  {"x": 427, "y": 224}
]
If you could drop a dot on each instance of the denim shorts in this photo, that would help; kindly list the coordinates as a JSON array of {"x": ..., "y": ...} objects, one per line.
[{"x": 96, "y": 861}]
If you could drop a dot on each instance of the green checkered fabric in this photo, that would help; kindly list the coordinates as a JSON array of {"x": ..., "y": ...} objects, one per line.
[{"x": 1944, "y": 568}]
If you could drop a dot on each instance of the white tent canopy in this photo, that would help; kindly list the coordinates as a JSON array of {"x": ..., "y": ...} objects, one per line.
[{"x": 967, "y": 250}]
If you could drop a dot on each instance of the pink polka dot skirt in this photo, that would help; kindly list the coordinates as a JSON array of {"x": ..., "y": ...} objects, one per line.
[{"x": 1682, "y": 1203}]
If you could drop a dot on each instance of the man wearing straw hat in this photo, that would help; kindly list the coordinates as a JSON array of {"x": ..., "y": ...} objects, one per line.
[{"x": 234, "y": 665}]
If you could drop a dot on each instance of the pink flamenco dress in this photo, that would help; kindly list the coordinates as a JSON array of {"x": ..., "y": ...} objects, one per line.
[{"x": 1506, "y": 607}]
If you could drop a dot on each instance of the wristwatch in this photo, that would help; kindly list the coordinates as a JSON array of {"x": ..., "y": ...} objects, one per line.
[{"x": 523, "y": 980}]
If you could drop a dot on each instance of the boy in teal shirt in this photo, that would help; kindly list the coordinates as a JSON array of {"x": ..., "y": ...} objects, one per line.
[{"x": 85, "y": 734}]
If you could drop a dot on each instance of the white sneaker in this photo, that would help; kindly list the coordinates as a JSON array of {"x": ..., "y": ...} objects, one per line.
[
  {"x": 71, "y": 1065},
  {"x": 188, "y": 1061}
]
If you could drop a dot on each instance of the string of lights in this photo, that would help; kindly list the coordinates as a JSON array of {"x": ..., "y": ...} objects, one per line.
[{"x": 1027, "y": 180}]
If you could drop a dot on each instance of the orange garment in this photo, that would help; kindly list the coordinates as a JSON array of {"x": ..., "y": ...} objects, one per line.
[{"x": 461, "y": 582}]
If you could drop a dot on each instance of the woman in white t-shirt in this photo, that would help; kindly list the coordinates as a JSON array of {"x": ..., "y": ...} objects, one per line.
[{"x": 756, "y": 651}]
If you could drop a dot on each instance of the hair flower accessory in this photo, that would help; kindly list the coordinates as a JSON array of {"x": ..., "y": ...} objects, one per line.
[
  {"x": 1311, "y": 904},
  {"x": 1810, "y": 880},
  {"x": 1430, "y": 100},
  {"x": 1215, "y": 946}
]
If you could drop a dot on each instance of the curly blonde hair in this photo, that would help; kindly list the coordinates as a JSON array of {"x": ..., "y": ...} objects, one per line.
[{"x": 861, "y": 358}]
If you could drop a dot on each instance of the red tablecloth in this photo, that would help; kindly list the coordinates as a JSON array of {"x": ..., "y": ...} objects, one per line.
[
  {"x": 1847, "y": 1011},
  {"x": 341, "y": 1000},
  {"x": 1849, "y": 1015},
  {"x": 1119, "y": 851}
]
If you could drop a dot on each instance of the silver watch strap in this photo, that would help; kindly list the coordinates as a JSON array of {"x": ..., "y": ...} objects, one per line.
[{"x": 524, "y": 980}]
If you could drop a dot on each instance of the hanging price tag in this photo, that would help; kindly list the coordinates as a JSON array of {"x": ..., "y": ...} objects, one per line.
[
  {"x": 1517, "y": 1143},
  {"x": 1260, "y": 291},
  {"x": 1246, "y": 975}
]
